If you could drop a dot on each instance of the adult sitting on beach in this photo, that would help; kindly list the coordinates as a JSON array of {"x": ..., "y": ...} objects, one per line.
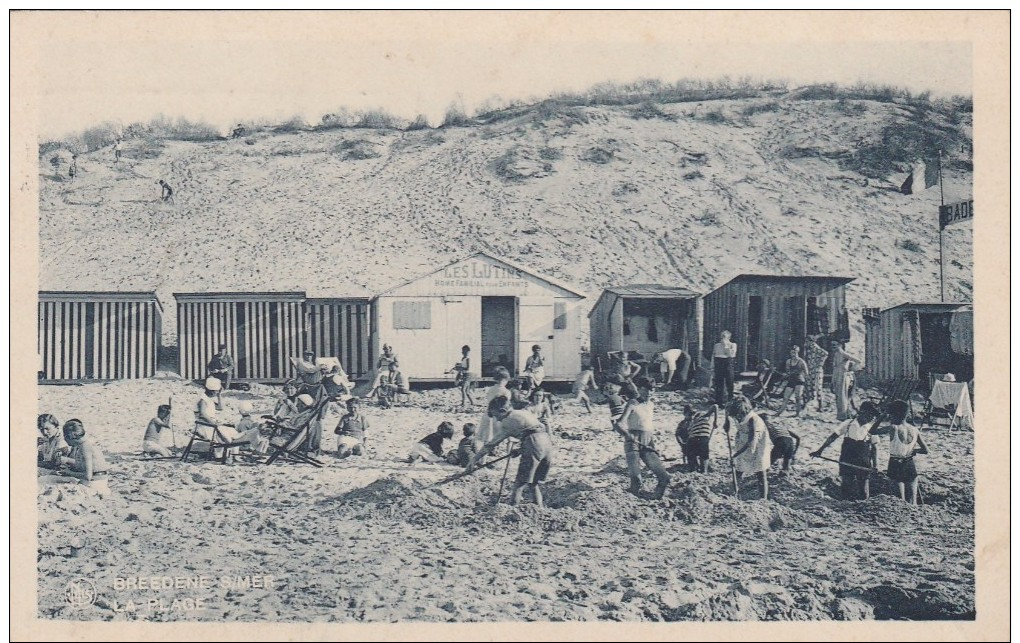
[
  {"x": 394, "y": 385},
  {"x": 221, "y": 366},
  {"x": 53, "y": 450},
  {"x": 87, "y": 462},
  {"x": 534, "y": 367},
  {"x": 382, "y": 368},
  {"x": 208, "y": 426},
  {"x": 287, "y": 406}
]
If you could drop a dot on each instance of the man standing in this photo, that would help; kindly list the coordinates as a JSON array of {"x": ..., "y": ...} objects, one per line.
[
  {"x": 308, "y": 373},
  {"x": 723, "y": 354},
  {"x": 221, "y": 366}
]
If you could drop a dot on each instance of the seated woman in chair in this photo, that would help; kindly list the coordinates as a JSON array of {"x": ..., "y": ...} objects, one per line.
[{"x": 209, "y": 428}]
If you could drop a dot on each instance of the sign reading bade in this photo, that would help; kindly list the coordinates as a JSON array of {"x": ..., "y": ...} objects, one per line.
[{"x": 955, "y": 213}]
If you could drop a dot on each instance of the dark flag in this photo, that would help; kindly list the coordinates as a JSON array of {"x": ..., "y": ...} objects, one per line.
[{"x": 923, "y": 176}]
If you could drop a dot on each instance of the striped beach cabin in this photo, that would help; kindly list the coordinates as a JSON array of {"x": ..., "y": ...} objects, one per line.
[
  {"x": 914, "y": 339},
  {"x": 88, "y": 335},
  {"x": 767, "y": 314},
  {"x": 261, "y": 330},
  {"x": 341, "y": 327}
]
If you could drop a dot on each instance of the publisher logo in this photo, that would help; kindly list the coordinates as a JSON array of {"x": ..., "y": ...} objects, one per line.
[{"x": 80, "y": 593}]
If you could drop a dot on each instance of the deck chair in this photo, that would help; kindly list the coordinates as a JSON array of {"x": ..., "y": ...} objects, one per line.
[
  {"x": 216, "y": 441},
  {"x": 291, "y": 442},
  {"x": 758, "y": 393},
  {"x": 774, "y": 392},
  {"x": 898, "y": 389}
]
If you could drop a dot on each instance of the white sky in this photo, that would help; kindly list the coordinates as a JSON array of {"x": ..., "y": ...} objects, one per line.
[{"x": 223, "y": 72}]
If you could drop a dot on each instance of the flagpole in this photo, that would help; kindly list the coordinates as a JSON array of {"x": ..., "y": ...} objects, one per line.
[{"x": 942, "y": 261}]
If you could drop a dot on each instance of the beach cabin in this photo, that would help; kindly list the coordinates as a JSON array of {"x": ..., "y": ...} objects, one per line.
[
  {"x": 498, "y": 308},
  {"x": 262, "y": 330},
  {"x": 341, "y": 327},
  {"x": 646, "y": 318},
  {"x": 767, "y": 314},
  {"x": 86, "y": 335},
  {"x": 914, "y": 339}
]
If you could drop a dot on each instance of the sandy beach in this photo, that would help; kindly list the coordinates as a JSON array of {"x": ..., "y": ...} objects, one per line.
[{"x": 368, "y": 539}]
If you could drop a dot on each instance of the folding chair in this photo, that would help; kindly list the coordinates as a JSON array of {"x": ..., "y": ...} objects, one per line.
[
  {"x": 758, "y": 392},
  {"x": 774, "y": 391},
  {"x": 292, "y": 442},
  {"x": 216, "y": 441}
]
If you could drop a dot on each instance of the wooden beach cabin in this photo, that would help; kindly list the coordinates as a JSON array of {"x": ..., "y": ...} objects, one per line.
[
  {"x": 261, "y": 330},
  {"x": 911, "y": 340},
  {"x": 86, "y": 335},
  {"x": 769, "y": 313},
  {"x": 647, "y": 318},
  {"x": 341, "y": 327},
  {"x": 498, "y": 308}
]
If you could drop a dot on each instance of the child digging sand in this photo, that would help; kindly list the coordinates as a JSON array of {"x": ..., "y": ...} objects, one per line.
[
  {"x": 858, "y": 450},
  {"x": 904, "y": 442},
  {"x": 430, "y": 448},
  {"x": 152, "y": 444},
  {"x": 639, "y": 444}
]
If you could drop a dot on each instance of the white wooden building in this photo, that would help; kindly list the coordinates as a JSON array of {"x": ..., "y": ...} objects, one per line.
[{"x": 498, "y": 308}]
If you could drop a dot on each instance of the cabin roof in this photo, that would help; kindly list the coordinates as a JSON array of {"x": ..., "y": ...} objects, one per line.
[
  {"x": 240, "y": 296},
  {"x": 938, "y": 306},
  {"x": 745, "y": 278},
  {"x": 99, "y": 295},
  {"x": 645, "y": 291}
]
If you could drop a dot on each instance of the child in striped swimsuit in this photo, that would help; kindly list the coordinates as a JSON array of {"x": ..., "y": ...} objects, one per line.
[{"x": 694, "y": 433}]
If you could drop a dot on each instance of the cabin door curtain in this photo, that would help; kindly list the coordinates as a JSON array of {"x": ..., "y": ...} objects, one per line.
[
  {"x": 912, "y": 336},
  {"x": 961, "y": 332}
]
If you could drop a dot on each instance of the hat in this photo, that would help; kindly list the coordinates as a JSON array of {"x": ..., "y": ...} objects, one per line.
[
  {"x": 948, "y": 377},
  {"x": 223, "y": 347},
  {"x": 306, "y": 399},
  {"x": 213, "y": 384},
  {"x": 245, "y": 408},
  {"x": 340, "y": 380}
]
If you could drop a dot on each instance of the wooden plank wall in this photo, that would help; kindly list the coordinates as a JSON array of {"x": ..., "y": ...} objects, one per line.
[
  {"x": 260, "y": 336},
  {"x": 341, "y": 329},
  {"x": 726, "y": 309},
  {"x": 98, "y": 339}
]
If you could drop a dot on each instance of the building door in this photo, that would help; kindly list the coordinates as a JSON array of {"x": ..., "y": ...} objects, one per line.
[
  {"x": 796, "y": 323},
  {"x": 498, "y": 334},
  {"x": 535, "y": 327},
  {"x": 753, "y": 340}
]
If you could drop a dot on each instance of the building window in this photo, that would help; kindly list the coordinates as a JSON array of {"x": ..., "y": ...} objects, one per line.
[
  {"x": 412, "y": 315},
  {"x": 560, "y": 320}
]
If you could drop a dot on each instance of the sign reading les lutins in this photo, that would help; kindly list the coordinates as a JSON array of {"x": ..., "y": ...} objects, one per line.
[
  {"x": 477, "y": 275},
  {"x": 955, "y": 213}
]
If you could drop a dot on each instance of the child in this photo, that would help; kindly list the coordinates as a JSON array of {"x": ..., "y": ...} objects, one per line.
[
  {"x": 464, "y": 378},
  {"x": 151, "y": 442},
  {"x": 53, "y": 450},
  {"x": 694, "y": 433},
  {"x": 585, "y": 380},
  {"x": 534, "y": 367},
  {"x": 796, "y": 378},
  {"x": 614, "y": 400},
  {"x": 536, "y": 448},
  {"x": 499, "y": 389},
  {"x": 430, "y": 448},
  {"x": 466, "y": 449},
  {"x": 351, "y": 431},
  {"x": 251, "y": 430},
  {"x": 751, "y": 456},
  {"x": 87, "y": 461},
  {"x": 858, "y": 449},
  {"x": 287, "y": 407},
  {"x": 72, "y": 170},
  {"x": 394, "y": 385},
  {"x": 904, "y": 441},
  {"x": 639, "y": 443},
  {"x": 784, "y": 444}
]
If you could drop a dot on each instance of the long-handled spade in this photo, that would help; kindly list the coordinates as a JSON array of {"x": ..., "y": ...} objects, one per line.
[
  {"x": 506, "y": 469},
  {"x": 733, "y": 468}
]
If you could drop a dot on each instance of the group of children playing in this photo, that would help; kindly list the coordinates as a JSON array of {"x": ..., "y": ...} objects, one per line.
[{"x": 756, "y": 445}]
